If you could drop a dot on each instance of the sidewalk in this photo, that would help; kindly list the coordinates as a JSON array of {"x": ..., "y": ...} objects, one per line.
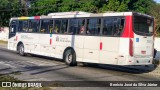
[{"x": 3, "y": 44}]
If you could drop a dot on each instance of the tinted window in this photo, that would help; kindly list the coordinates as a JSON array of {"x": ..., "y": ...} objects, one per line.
[
  {"x": 60, "y": 26},
  {"x": 46, "y": 26},
  {"x": 108, "y": 26},
  {"x": 77, "y": 26},
  {"x": 143, "y": 25},
  {"x": 113, "y": 26},
  {"x": 93, "y": 26},
  {"x": 23, "y": 26},
  {"x": 13, "y": 27},
  {"x": 33, "y": 25},
  {"x": 64, "y": 24}
]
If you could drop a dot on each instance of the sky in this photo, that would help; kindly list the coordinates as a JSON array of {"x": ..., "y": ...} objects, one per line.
[{"x": 158, "y": 1}]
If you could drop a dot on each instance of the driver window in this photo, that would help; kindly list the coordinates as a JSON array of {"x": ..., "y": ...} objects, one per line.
[{"x": 13, "y": 27}]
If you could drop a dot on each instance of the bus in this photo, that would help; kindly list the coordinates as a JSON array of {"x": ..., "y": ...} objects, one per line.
[{"x": 117, "y": 38}]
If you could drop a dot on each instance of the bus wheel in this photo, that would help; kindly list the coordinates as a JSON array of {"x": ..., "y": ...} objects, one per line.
[
  {"x": 70, "y": 57},
  {"x": 21, "y": 50}
]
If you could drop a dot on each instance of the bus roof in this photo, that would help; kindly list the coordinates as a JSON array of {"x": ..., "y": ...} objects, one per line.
[{"x": 80, "y": 14}]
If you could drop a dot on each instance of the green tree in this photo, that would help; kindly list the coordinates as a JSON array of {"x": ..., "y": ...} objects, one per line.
[
  {"x": 8, "y": 9},
  {"x": 111, "y": 5},
  {"x": 141, "y": 5},
  {"x": 115, "y": 5},
  {"x": 43, "y": 7},
  {"x": 123, "y": 5},
  {"x": 155, "y": 11}
]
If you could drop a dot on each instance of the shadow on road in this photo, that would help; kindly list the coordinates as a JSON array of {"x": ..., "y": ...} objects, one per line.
[
  {"x": 128, "y": 69},
  {"x": 4, "y": 69}
]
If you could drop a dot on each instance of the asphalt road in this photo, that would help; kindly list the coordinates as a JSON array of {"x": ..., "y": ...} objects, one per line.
[{"x": 38, "y": 68}]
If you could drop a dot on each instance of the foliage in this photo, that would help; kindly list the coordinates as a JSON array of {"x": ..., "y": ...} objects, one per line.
[
  {"x": 156, "y": 13},
  {"x": 46, "y": 6},
  {"x": 8, "y": 10},
  {"x": 143, "y": 5}
]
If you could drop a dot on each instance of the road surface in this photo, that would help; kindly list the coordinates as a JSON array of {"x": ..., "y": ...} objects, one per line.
[{"x": 38, "y": 68}]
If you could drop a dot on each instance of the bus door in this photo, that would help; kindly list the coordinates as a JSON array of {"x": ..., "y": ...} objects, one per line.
[
  {"x": 143, "y": 37},
  {"x": 12, "y": 34}
]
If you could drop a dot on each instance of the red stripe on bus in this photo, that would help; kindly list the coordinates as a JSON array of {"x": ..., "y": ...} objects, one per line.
[
  {"x": 36, "y": 17},
  {"x": 50, "y": 41},
  {"x": 16, "y": 38},
  {"x": 128, "y": 29},
  {"x": 100, "y": 45},
  {"x": 130, "y": 47}
]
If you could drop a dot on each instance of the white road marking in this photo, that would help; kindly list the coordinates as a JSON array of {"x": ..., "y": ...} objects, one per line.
[
  {"x": 3, "y": 63},
  {"x": 42, "y": 63}
]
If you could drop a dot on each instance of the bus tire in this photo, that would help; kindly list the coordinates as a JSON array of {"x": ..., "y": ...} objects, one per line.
[
  {"x": 21, "y": 50},
  {"x": 70, "y": 57}
]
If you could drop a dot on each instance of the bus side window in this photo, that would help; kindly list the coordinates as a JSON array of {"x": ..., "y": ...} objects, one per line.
[
  {"x": 113, "y": 26},
  {"x": 93, "y": 26},
  {"x": 24, "y": 26},
  {"x": 81, "y": 26},
  {"x": 57, "y": 26},
  {"x": 45, "y": 26},
  {"x": 33, "y": 25},
  {"x": 51, "y": 26},
  {"x": 107, "y": 26},
  {"x": 64, "y": 25},
  {"x": 20, "y": 26},
  {"x": 118, "y": 26},
  {"x": 73, "y": 26}
]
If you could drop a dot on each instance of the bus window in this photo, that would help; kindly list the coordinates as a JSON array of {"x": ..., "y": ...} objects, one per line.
[
  {"x": 73, "y": 26},
  {"x": 13, "y": 27},
  {"x": 93, "y": 26},
  {"x": 116, "y": 29},
  {"x": 64, "y": 25},
  {"x": 51, "y": 26},
  {"x": 33, "y": 26},
  {"x": 46, "y": 26},
  {"x": 81, "y": 26},
  {"x": 77, "y": 26},
  {"x": 23, "y": 26},
  {"x": 143, "y": 25},
  {"x": 107, "y": 26},
  {"x": 113, "y": 26},
  {"x": 60, "y": 26},
  {"x": 57, "y": 26}
]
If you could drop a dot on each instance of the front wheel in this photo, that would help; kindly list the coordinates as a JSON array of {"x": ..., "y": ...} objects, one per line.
[
  {"x": 70, "y": 57},
  {"x": 21, "y": 50}
]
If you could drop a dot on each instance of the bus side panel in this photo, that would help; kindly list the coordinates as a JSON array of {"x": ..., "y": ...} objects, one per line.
[
  {"x": 29, "y": 40},
  {"x": 91, "y": 49},
  {"x": 109, "y": 50},
  {"x": 44, "y": 41},
  {"x": 78, "y": 47},
  {"x": 123, "y": 51}
]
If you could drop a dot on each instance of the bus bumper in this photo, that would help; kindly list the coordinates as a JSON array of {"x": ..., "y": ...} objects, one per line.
[{"x": 140, "y": 61}]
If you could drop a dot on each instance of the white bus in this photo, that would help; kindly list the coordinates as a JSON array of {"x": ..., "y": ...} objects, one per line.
[{"x": 118, "y": 38}]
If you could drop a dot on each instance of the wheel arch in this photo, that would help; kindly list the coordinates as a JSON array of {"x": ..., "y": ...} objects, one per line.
[
  {"x": 19, "y": 43},
  {"x": 68, "y": 49}
]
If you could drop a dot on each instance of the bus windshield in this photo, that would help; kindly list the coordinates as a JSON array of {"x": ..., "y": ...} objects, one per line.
[{"x": 143, "y": 26}]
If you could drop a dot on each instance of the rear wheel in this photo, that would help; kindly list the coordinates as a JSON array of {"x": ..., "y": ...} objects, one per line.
[
  {"x": 70, "y": 57},
  {"x": 21, "y": 50}
]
